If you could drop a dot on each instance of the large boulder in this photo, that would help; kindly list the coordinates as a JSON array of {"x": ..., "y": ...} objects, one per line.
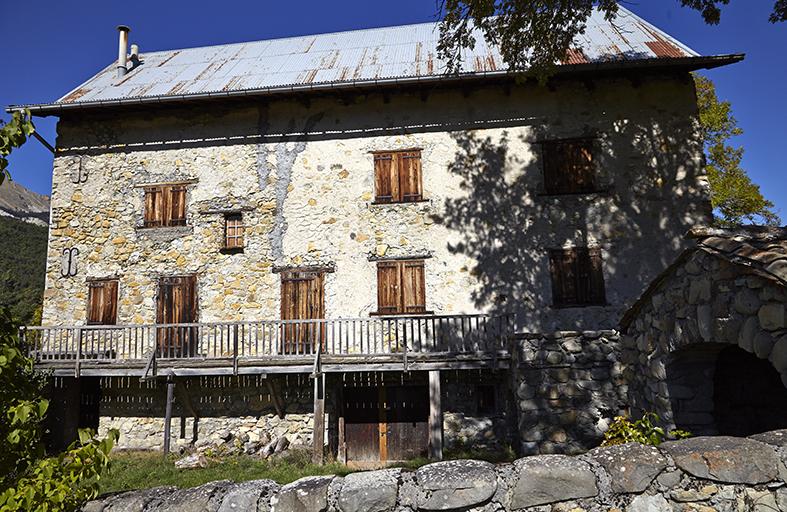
[
  {"x": 373, "y": 491},
  {"x": 309, "y": 494},
  {"x": 456, "y": 484},
  {"x": 632, "y": 466},
  {"x": 725, "y": 459},
  {"x": 549, "y": 479},
  {"x": 205, "y": 498},
  {"x": 253, "y": 495}
]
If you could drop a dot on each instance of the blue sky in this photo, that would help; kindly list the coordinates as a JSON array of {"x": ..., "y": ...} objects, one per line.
[{"x": 48, "y": 48}]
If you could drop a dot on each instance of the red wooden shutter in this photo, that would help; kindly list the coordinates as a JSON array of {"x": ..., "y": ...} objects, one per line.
[
  {"x": 410, "y": 176},
  {"x": 176, "y": 207},
  {"x": 154, "y": 198},
  {"x": 413, "y": 292},
  {"x": 388, "y": 286},
  {"x": 386, "y": 184}
]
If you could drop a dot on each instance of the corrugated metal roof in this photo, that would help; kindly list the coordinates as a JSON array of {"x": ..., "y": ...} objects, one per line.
[{"x": 345, "y": 59}]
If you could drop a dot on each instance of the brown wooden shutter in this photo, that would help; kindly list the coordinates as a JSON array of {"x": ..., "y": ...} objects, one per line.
[
  {"x": 562, "y": 265},
  {"x": 596, "y": 294},
  {"x": 413, "y": 292},
  {"x": 102, "y": 303},
  {"x": 154, "y": 212},
  {"x": 568, "y": 167},
  {"x": 386, "y": 183},
  {"x": 176, "y": 207},
  {"x": 582, "y": 174},
  {"x": 388, "y": 288},
  {"x": 302, "y": 298},
  {"x": 410, "y": 176}
]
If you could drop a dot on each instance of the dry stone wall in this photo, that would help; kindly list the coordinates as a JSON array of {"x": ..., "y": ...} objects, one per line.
[
  {"x": 700, "y": 475},
  {"x": 301, "y": 175},
  {"x": 568, "y": 388}
]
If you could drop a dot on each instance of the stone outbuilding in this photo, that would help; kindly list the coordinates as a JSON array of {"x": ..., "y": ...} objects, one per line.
[{"x": 706, "y": 345}]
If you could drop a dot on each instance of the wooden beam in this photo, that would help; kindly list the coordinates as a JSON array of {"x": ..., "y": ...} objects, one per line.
[
  {"x": 168, "y": 417},
  {"x": 185, "y": 395},
  {"x": 435, "y": 417},
  {"x": 275, "y": 399},
  {"x": 318, "y": 438}
]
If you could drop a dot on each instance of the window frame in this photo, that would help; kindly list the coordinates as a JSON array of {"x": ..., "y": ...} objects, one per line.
[
  {"x": 569, "y": 166},
  {"x": 234, "y": 241},
  {"x": 401, "y": 287},
  {"x": 165, "y": 206},
  {"x": 401, "y": 180},
  {"x": 102, "y": 306},
  {"x": 577, "y": 277}
]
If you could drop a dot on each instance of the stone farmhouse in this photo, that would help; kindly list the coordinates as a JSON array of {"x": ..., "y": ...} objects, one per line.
[{"x": 329, "y": 237}]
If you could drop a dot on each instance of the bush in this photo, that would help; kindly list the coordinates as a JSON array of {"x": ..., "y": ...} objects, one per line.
[{"x": 642, "y": 431}]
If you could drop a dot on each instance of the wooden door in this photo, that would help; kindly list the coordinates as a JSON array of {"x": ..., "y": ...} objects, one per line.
[
  {"x": 385, "y": 424},
  {"x": 302, "y": 298},
  {"x": 177, "y": 304}
]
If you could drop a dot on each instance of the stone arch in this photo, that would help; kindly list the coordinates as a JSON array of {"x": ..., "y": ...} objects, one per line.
[{"x": 706, "y": 301}]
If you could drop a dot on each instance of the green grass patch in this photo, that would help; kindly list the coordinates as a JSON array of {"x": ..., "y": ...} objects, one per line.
[{"x": 145, "y": 470}]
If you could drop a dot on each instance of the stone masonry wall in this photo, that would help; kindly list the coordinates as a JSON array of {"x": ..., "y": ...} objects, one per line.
[
  {"x": 705, "y": 304},
  {"x": 723, "y": 474},
  {"x": 301, "y": 175},
  {"x": 568, "y": 388}
]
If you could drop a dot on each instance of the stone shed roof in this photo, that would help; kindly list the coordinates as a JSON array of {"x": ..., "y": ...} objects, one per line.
[{"x": 762, "y": 249}]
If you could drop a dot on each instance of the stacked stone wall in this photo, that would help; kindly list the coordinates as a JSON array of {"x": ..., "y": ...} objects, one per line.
[
  {"x": 705, "y": 304},
  {"x": 568, "y": 387},
  {"x": 723, "y": 474}
]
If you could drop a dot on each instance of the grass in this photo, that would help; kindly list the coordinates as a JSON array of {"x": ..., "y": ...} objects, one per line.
[{"x": 144, "y": 470}]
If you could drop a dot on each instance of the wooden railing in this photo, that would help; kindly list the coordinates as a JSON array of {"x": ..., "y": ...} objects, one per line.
[{"x": 346, "y": 337}]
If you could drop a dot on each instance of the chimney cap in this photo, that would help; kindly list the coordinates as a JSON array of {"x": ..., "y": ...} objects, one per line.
[{"x": 123, "y": 28}]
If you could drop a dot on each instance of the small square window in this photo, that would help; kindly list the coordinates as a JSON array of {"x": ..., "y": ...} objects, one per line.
[
  {"x": 577, "y": 277},
  {"x": 569, "y": 167},
  {"x": 233, "y": 232},
  {"x": 165, "y": 206},
  {"x": 397, "y": 177}
]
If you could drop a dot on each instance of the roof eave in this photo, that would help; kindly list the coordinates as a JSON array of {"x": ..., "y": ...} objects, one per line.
[{"x": 678, "y": 63}]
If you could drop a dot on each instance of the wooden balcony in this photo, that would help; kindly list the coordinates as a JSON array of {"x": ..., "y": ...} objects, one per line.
[{"x": 383, "y": 343}]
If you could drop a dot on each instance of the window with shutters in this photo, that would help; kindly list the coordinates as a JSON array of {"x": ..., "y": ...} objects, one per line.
[
  {"x": 233, "y": 238},
  {"x": 569, "y": 166},
  {"x": 577, "y": 277},
  {"x": 302, "y": 298},
  {"x": 102, "y": 300},
  {"x": 165, "y": 206},
  {"x": 397, "y": 177},
  {"x": 177, "y": 304},
  {"x": 401, "y": 288}
]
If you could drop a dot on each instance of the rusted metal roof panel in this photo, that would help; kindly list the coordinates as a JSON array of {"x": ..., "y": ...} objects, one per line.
[{"x": 347, "y": 58}]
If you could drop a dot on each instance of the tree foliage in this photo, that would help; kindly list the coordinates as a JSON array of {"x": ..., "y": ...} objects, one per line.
[
  {"x": 533, "y": 35},
  {"x": 22, "y": 268},
  {"x": 13, "y": 135},
  {"x": 28, "y": 479},
  {"x": 735, "y": 198}
]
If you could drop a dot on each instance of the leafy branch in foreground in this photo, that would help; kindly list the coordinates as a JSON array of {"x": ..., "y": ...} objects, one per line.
[
  {"x": 644, "y": 431},
  {"x": 13, "y": 135}
]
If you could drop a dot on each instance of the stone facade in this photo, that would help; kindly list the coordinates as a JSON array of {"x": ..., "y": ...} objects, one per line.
[
  {"x": 709, "y": 314},
  {"x": 568, "y": 388},
  {"x": 301, "y": 174}
]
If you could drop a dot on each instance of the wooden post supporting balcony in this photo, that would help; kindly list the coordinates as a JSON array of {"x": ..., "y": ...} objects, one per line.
[
  {"x": 168, "y": 417},
  {"x": 318, "y": 438},
  {"x": 435, "y": 417}
]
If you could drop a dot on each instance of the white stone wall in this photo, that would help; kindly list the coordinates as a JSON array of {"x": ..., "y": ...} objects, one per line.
[{"x": 303, "y": 172}]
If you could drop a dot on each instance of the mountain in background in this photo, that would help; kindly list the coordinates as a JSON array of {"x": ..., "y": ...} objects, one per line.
[{"x": 22, "y": 204}]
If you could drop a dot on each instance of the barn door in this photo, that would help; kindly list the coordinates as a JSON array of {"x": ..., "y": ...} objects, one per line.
[
  {"x": 177, "y": 304},
  {"x": 302, "y": 298},
  {"x": 385, "y": 424}
]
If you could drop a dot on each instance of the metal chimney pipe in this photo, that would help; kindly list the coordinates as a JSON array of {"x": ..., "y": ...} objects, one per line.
[
  {"x": 134, "y": 52},
  {"x": 122, "y": 49}
]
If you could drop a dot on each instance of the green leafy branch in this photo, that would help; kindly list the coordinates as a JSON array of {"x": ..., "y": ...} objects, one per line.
[
  {"x": 643, "y": 431},
  {"x": 12, "y": 135}
]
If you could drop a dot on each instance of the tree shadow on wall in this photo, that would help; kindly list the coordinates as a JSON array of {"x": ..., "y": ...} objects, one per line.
[{"x": 647, "y": 196}]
